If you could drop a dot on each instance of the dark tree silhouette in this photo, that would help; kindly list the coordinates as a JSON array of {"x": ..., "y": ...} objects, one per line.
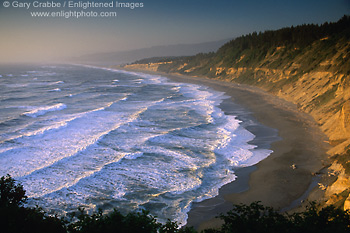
[{"x": 11, "y": 194}]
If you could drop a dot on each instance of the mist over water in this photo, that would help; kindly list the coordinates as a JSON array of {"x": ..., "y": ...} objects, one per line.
[{"x": 79, "y": 136}]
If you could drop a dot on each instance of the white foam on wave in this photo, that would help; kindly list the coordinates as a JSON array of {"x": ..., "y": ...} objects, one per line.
[
  {"x": 87, "y": 192},
  {"x": 133, "y": 155},
  {"x": 38, "y": 111},
  {"x": 36, "y": 83},
  {"x": 56, "y": 123},
  {"x": 51, "y": 148},
  {"x": 83, "y": 164},
  {"x": 17, "y": 85},
  {"x": 204, "y": 101},
  {"x": 54, "y": 126},
  {"x": 45, "y": 73},
  {"x": 7, "y": 148},
  {"x": 201, "y": 93},
  {"x": 53, "y": 123},
  {"x": 24, "y": 132},
  {"x": 220, "y": 139},
  {"x": 54, "y": 90},
  {"x": 237, "y": 149},
  {"x": 146, "y": 78}
]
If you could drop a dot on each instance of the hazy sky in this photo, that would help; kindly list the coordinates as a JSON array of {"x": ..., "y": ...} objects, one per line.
[{"x": 159, "y": 22}]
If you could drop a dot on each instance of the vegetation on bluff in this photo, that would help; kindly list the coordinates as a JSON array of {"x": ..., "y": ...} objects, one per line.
[
  {"x": 277, "y": 49},
  {"x": 14, "y": 217}
]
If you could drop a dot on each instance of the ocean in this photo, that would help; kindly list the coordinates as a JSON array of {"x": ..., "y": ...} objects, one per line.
[{"x": 83, "y": 136}]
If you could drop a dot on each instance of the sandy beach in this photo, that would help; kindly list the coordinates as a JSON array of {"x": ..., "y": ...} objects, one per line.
[{"x": 272, "y": 181}]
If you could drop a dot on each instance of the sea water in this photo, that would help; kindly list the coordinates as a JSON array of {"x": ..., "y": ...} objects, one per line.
[{"x": 82, "y": 136}]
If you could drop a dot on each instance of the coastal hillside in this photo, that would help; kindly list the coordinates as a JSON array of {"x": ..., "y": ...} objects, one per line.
[
  {"x": 308, "y": 65},
  {"x": 137, "y": 54}
]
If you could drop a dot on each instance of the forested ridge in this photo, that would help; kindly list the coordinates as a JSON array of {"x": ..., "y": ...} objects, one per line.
[{"x": 252, "y": 50}]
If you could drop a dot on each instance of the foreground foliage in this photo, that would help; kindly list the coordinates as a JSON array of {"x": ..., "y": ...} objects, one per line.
[
  {"x": 257, "y": 218},
  {"x": 14, "y": 217},
  {"x": 141, "y": 222}
]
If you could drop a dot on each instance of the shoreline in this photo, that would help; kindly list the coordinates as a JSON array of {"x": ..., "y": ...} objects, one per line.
[{"x": 272, "y": 181}]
